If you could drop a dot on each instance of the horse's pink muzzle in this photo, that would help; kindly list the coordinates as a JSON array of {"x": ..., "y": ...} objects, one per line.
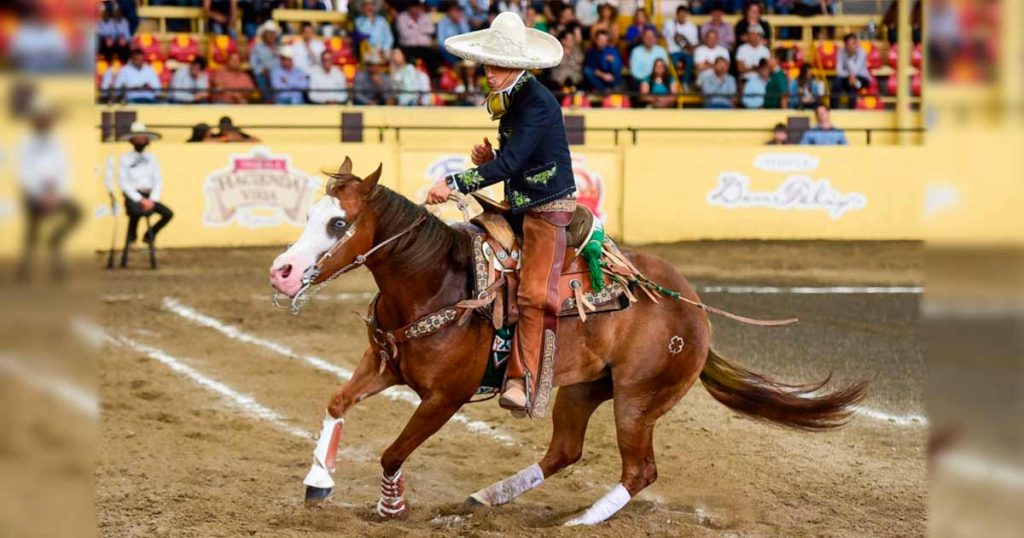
[{"x": 285, "y": 277}]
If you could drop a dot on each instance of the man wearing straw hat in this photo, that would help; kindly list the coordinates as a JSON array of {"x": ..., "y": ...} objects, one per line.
[
  {"x": 534, "y": 163},
  {"x": 141, "y": 183}
]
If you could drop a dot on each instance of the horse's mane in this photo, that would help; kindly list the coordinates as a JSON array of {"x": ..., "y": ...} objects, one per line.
[{"x": 425, "y": 245}]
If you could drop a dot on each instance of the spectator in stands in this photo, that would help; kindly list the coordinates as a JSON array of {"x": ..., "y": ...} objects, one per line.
[
  {"x": 257, "y": 12},
  {"x": 806, "y": 91},
  {"x": 641, "y": 60},
  {"x": 411, "y": 85},
  {"x": 137, "y": 80},
  {"x": 416, "y": 35},
  {"x": 682, "y": 38},
  {"x": 718, "y": 87},
  {"x": 586, "y": 13},
  {"x": 453, "y": 23},
  {"x": 478, "y": 12},
  {"x": 780, "y": 136},
  {"x": 519, "y": 7},
  {"x": 231, "y": 84},
  {"x": 534, "y": 20},
  {"x": 608, "y": 22},
  {"x": 372, "y": 85},
  {"x": 852, "y": 72},
  {"x": 308, "y": 49},
  {"x": 114, "y": 34},
  {"x": 130, "y": 9},
  {"x": 228, "y": 132},
  {"x": 725, "y": 32},
  {"x": 750, "y": 54},
  {"x": 809, "y": 8},
  {"x": 327, "y": 84},
  {"x": 569, "y": 73},
  {"x": 755, "y": 86},
  {"x": 263, "y": 57},
  {"x": 602, "y": 66},
  {"x": 191, "y": 83},
  {"x": 752, "y": 17},
  {"x": 287, "y": 81},
  {"x": 660, "y": 89},
  {"x": 891, "y": 22},
  {"x": 706, "y": 55},
  {"x": 566, "y": 22},
  {"x": 201, "y": 132},
  {"x": 636, "y": 32},
  {"x": 374, "y": 29},
  {"x": 221, "y": 16},
  {"x": 777, "y": 90},
  {"x": 825, "y": 134}
]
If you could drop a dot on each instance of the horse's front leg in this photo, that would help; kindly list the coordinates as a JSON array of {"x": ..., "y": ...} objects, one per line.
[
  {"x": 365, "y": 382},
  {"x": 432, "y": 413}
]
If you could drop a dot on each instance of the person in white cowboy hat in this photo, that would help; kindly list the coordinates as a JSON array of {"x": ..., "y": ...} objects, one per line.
[
  {"x": 263, "y": 57},
  {"x": 534, "y": 163},
  {"x": 289, "y": 82},
  {"x": 142, "y": 183}
]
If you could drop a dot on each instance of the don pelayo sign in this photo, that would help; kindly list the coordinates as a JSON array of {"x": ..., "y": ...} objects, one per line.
[{"x": 258, "y": 190}]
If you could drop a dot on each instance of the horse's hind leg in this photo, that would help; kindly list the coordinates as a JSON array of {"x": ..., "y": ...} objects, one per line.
[{"x": 574, "y": 405}]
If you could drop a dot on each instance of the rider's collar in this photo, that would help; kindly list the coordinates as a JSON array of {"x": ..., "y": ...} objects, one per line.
[{"x": 498, "y": 102}]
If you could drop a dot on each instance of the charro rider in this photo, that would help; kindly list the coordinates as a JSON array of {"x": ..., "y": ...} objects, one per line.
[{"x": 534, "y": 163}]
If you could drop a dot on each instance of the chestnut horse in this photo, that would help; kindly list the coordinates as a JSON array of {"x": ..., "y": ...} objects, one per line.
[{"x": 644, "y": 358}]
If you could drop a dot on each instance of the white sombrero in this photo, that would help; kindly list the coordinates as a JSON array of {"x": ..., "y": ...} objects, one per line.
[
  {"x": 507, "y": 43},
  {"x": 139, "y": 129}
]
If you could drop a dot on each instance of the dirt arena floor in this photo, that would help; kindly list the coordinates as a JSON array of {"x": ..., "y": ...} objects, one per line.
[{"x": 211, "y": 398}]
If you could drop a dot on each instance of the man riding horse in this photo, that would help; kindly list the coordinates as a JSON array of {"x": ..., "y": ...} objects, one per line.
[{"x": 534, "y": 163}]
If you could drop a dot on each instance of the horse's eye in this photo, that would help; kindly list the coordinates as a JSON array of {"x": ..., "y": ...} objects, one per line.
[{"x": 338, "y": 224}]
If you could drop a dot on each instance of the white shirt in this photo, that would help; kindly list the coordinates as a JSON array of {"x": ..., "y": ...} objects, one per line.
[
  {"x": 140, "y": 172},
  {"x": 687, "y": 30},
  {"x": 751, "y": 56},
  {"x": 184, "y": 88},
  {"x": 710, "y": 55},
  {"x": 42, "y": 166},
  {"x": 329, "y": 80},
  {"x": 307, "y": 58},
  {"x": 586, "y": 12},
  {"x": 131, "y": 77}
]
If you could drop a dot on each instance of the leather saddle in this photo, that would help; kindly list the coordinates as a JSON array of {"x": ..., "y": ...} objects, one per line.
[{"x": 500, "y": 251}]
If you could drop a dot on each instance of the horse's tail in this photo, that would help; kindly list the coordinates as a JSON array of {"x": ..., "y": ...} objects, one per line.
[{"x": 794, "y": 406}]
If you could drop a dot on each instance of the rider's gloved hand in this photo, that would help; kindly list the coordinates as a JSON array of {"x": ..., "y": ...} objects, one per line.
[{"x": 482, "y": 153}]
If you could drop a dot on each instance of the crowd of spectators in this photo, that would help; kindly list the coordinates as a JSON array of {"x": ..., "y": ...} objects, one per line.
[{"x": 389, "y": 52}]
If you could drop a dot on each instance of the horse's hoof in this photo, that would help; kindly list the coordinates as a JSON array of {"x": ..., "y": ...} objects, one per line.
[
  {"x": 392, "y": 510},
  {"x": 316, "y": 495},
  {"x": 472, "y": 501}
]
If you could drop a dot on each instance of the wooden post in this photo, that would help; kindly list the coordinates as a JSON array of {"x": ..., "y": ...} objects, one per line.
[{"x": 904, "y": 44}]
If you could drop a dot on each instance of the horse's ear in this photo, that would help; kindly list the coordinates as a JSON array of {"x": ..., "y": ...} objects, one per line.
[
  {"x": 346, "y": 167},
  {"x": 370, "y": 181}
]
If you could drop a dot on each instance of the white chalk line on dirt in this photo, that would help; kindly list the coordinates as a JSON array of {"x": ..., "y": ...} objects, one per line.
[
  {"x": 394, "y": 393},
  {"x": 815, "y": 290},
  {"x": 82, "y": 400},
  {"x": 244, "y": 402},
  {"x": 898, "y": 420}
]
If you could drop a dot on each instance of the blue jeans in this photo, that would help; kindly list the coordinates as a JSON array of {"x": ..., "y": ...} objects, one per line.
[
  {"x": 288, "y": 97},
  {"x": 598, "y": 83}
]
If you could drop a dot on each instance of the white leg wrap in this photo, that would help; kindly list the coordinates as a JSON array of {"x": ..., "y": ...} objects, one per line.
[
  {"x": 505, "y": 491},
  {"x": 325, "y": 454},
  {"x": 392, "y": 495},
  {"x": 604, "y": 508}
]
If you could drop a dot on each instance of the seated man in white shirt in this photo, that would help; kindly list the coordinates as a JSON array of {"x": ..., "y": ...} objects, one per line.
[
  {"x": 326, "y": 82},
  {"x": 307, "y": 50},
  {"x": 142, "y": 183},
  {"x": 705, "y": 56},
  {"x": 137, "y": 80},
  {"x": 191, "y": 83},
  {"x": 750, "y": 54}
]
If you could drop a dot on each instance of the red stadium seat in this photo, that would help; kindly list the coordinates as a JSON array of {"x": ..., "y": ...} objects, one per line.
[
  {"x": 827, "y": 55},
  {"x": 890, "y": 87},
  {"x": 870, "y": 102},
  {"x": 874, "y": 54},
  {"x": 915, "y": 85},
  {"x": 349, "y": 70},
  {"x": 184, "y": 48},
  {"x": 162, "y": 72},
  {"x": 872, "y": 88},
  {"x": 894, "y": 56},
  {"x": 342, "y": 49},
  {"x": 916, "y": 56},
  {"x": 220, "y": 47},
  {"x": 576, "y": 100},
  {"x": 150, "y": 47},
  {"x": 615, "y": 101}
]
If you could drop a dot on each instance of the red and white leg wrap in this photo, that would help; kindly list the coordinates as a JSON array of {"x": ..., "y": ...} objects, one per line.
[
  {"x": 505, "y": 491},
  {"x": 325, "y": 454},
  {"x": 392, "y": 495},
  {"x": 604, "y": 508}
]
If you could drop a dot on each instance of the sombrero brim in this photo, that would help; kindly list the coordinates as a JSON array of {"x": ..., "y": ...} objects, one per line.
[
  {"x": 148, "y": 134},
  {"x": 542, "y": 50}
]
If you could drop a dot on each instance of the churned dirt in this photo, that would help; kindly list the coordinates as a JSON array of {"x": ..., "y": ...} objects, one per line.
[{"x": 179, "y": 459}]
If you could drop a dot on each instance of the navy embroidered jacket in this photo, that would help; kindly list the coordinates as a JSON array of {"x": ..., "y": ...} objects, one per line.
[{"x": 533, "y": 159}]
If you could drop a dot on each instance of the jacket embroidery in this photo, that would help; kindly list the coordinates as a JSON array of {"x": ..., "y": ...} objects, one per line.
[
  {"x": 542, "y": 177},
  {"x": 518, "y": 199},
  {"x": 469, "y": 180}
]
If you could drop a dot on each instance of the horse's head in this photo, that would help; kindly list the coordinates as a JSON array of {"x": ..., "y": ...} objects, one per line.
[{"x": 334, "y": 234}]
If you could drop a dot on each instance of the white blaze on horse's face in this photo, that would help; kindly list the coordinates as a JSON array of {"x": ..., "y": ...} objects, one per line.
[{"x": 316, "y": 239}]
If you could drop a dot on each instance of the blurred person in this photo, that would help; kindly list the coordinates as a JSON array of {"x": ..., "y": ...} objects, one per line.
[
  {"x": 682, "y": 39},
  {"x": 852, "y": 72},
  {"x": 130, "y": 10},
  {"x": 660, "y": 89},
  {"x": 810, "y": 8},
  {"x": 221, "y": 16},
  {"x": 114, "y": 34},
  {"x": 718, "y": 87},
  {"x": 142, "y": 183},
  {"x": 891, "y": 22},
  {"x": 137, "y": 82},
  {"x": 780, "y": 136},
  {"x": 371, "y": 27},
  {"x": 519, "y": 7},
  {"x": 825, "y": 134},
  {"x": 806, "y": 91},
  {"x": 416, "y": 35},
  {"x": 45, "y": 181},
  {"x": 372, "y": 85},
  {"x": 478, "y": 12},
  {"x": 454, "y": 22},
  {"x": 638, "y": 29},
  {"x": 602, "y": 66},
  {"x": 227, "y": 131},
  {"x": 287, "y": 81},
  {"x": 410, "y": 85},
  {"x": 256, "y": 12},
  {"x": 569, "y": 73},
  {"x": 327, "y": 84},
  {"x": 777, "y": 90},
  {"x": 705, "y": 56},
  {"x": 750, "y": 54},
  {"x": 201, "y": 132},
  {"x": 306, "y": 51},
  {"x": 944, "y": 35},
  {"x": 641, "y": 60},
  {"x": 755, "y": 86},
  {"x": 586, "y": 13},
  {"x": 231, "y": 84},
  {"x": 608, "y": 22},
  {"x": 534, "y": 20},
  {"x": 752, "y": 17},
  {"x": 263, "y": 58},
  {"x": 190, "y": 83},
  {"x": 726, "y": 37},
  {"x": 38, "y": 45},
  {"x": 566, "y": 22}
]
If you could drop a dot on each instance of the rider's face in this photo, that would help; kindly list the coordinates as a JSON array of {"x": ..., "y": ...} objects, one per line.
[{"x": 499, "y": 78}]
